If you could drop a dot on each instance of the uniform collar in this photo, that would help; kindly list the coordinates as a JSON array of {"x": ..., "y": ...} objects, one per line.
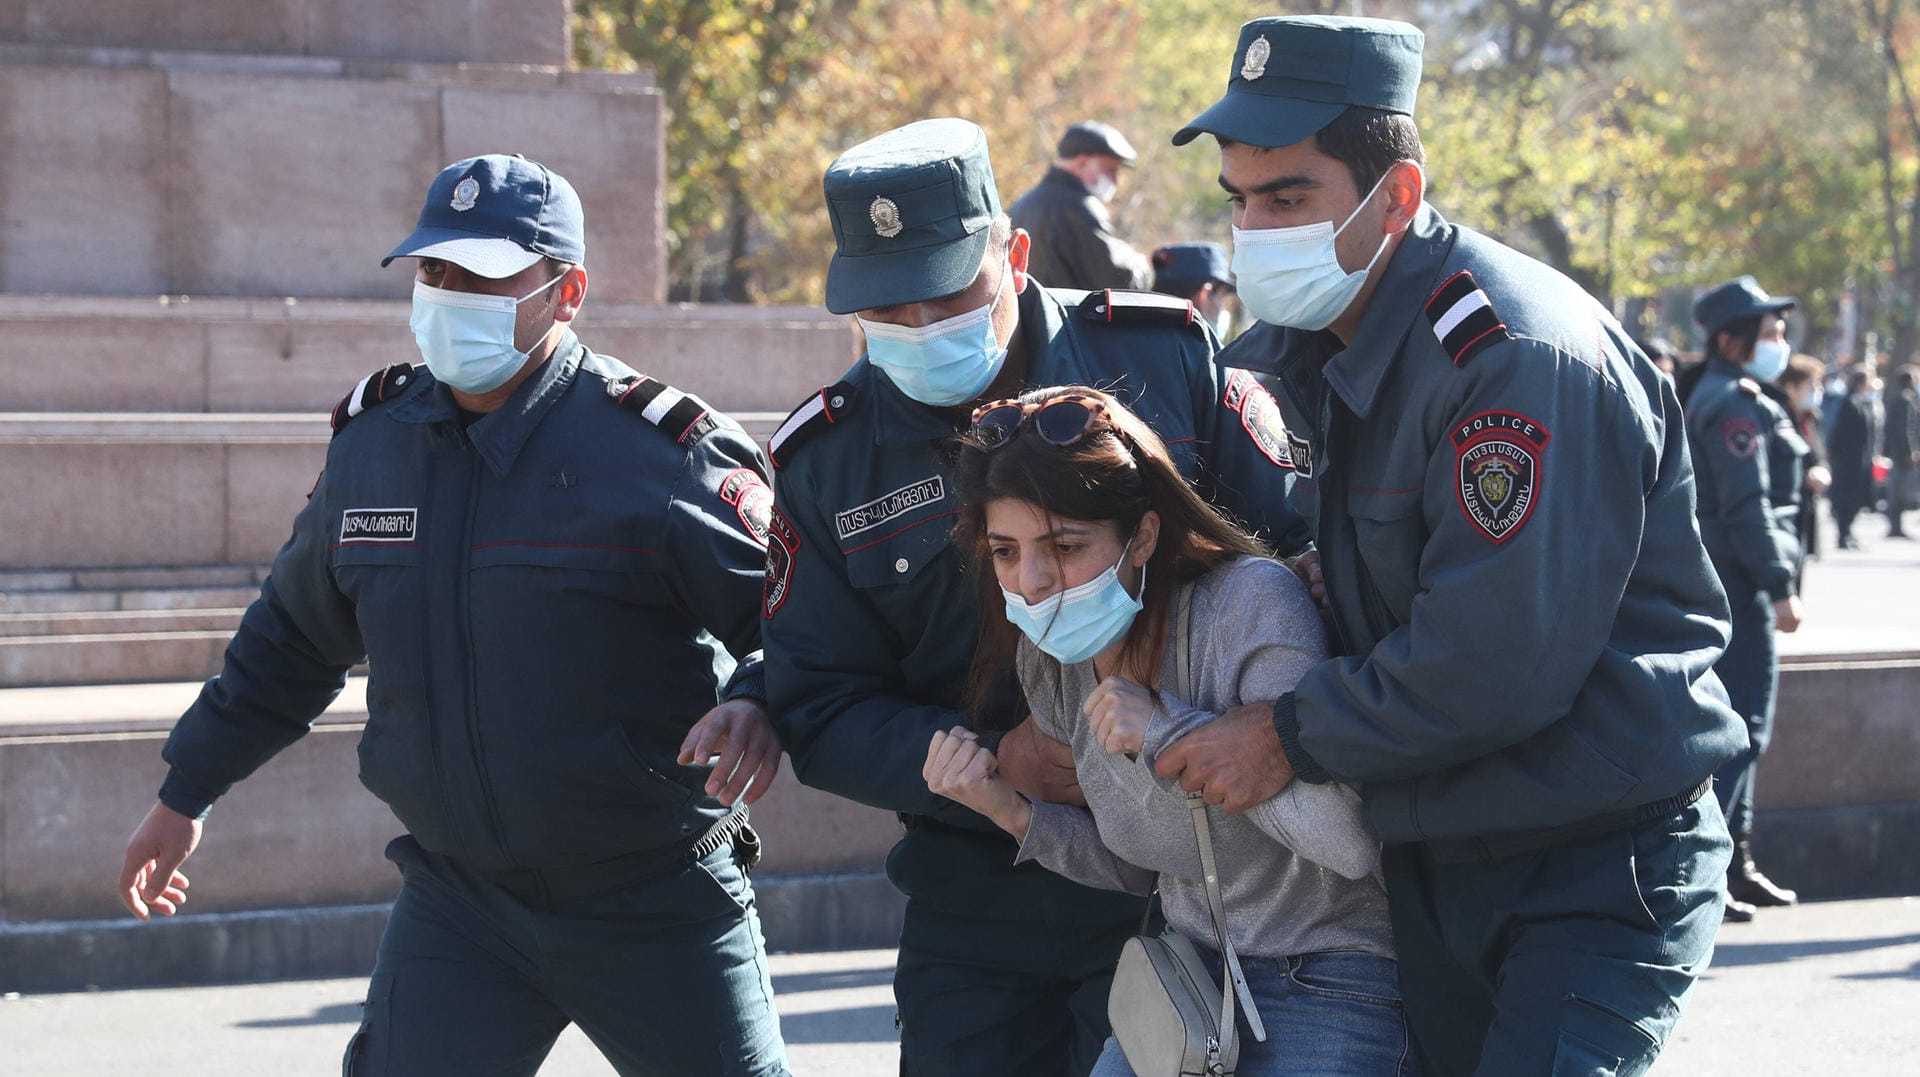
[
  {"x": 1357, "y": 371},
  {"x": 499, "y": 435}
]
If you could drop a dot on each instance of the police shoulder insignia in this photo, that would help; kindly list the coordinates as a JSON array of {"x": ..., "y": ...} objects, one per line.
[
  {"x": 684, "y": 417},
  {"x": 1741, "y": 435},
  {"x": 376, "y": 388},
  {"x": 1463, "y": 319},
  {"x": 783, "y": 542},
  {"x": 1260, "y": 415},
  {"x": 1500, "y": 456},
  {"x": 815, "y": 414},
  {"x": 1117, "y": 306},
  {"x": 752, "y": 499},
  {"x": 1750, "y": 387}
]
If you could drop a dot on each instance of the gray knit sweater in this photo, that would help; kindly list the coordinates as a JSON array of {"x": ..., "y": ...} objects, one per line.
[{"x": 1299, "y": 873}]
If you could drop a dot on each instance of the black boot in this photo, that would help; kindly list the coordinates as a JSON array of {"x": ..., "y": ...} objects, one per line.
[
  {"x": 1738, "y": 912},
  {"x": 1745, "y": 884}
]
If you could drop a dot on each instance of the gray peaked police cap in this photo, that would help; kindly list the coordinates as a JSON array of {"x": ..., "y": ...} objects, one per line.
[
  {"x": 1292, "y": 76},
  {"x": 1092, "y": 136},
  {"x": 1739, "y": 298},
  {"x": 911, "y": 213}
]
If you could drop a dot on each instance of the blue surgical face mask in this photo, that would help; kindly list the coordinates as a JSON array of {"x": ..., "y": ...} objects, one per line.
[
  {"x": 467, "y": 338},
  {"x": 1292, "y": 276},
  {"x": 1769, "y": 359},
  {"x": 1079, "y": 622},
  {"x": 948, "y": 362}
]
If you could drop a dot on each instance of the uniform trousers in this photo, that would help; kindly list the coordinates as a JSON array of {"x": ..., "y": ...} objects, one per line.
[
  {"x": 1750, "y": 669},
  {"x": 667, "y": 978},
  {"x": 1572, "y": 961}
]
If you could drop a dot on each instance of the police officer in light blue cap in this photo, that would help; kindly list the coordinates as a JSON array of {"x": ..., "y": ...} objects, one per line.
[
  {"x": 551, "y": 564},
  {"x": 871, "y": 617},
  {"x": 1502, "y": 497}
]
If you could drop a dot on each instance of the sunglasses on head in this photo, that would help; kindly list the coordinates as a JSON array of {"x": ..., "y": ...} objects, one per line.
[{"x": 1062, "y": 420}]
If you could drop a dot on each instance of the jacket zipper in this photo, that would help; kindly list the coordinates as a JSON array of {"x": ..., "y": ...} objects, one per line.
[
  {"x": 434, "y": 748},
  {"x": 461, "y": 588}
]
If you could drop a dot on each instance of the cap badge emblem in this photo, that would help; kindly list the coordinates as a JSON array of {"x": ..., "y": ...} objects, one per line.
[
  {"x": 1255, "y": 65},
  {"x": 465, "y": 194},
  {"x": 886, "y": 217}
]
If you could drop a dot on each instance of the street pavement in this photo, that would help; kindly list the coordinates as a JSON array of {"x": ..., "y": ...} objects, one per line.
[
  {"x": 1826, "y": 988},
  {"x": 1862, "y": 601}
]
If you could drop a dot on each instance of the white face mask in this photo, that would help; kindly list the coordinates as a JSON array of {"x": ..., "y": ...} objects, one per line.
[
  {"x": 1104, "y": 187},
  {"x": 948, "y": 362},
  {"x": 1292, "y": 276},
  {"x": 467, "y": 337}
]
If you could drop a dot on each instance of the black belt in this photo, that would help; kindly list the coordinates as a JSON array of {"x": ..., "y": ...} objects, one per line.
[
  {"x": 1514, "y": 843},
  {"x": 547, "y": 887}
]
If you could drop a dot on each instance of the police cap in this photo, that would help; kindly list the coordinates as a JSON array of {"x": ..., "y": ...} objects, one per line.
[
  {"x": 497, "y": 214},
  {"x": 1739, "y": 298},
  {"x": 912, "y": 211},
  {"x": 1094, "y": 137},
  {"x": 1181, "y": 268},
  {"x": 1291, "y": 76}
]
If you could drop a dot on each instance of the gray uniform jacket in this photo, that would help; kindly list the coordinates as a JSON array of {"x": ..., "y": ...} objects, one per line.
[
  {"x": 1500, "y": 488},
  {"x": 1746, "y": 455},
  {"x": 1073, "y": 241}
]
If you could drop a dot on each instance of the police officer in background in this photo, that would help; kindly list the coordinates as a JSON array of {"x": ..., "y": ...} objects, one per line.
[
  {"x": 536, "y": 549},
  {"x": 1074, "y": 245},
  {"x": 871, "y": 619},
  {"x": 1525, "y": 621},
  {"x": 1198, "y": 273},
  {"x": 1750, "y": 460}
]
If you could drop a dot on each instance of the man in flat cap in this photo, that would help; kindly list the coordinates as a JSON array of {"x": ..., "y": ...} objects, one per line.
[
  {"x": 1074, "y": 245},
  {"x": 1198, "y": 273},
  {"x": 545, "y": 558},
  {"x": 871, "y": 618},
  {"x": 1501, "y": 492}
]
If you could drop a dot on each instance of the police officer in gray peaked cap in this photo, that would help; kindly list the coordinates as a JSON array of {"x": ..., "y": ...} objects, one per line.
[
  {"x": 1750, "y": 462},
  {"x": 1501, "y": 495},
  {"x": 551, "y": 564},
  {"x": 871, "y": 618},
  {"x": 1074, "y": 244}
]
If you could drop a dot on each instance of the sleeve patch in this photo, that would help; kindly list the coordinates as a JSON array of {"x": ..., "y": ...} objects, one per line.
[
  {"x": 1463, "y": 319},
  {"x": 1501, "y": 468},
  {"x": 1260, "y": 416},
  {"x": 752, "y": 499},
  {"x": 1741, "y": 435},
  {"x": 783, "y": 542}
]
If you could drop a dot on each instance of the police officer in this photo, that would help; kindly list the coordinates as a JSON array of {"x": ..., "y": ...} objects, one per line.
[
  {"x": 1198, "y": 273},
  {"x": 1525, "y": 620},
  {"x": 1749, "y": 459},
  {"x": 551, "y": 563},
  {"x": 871, "y": 618},
  {"x": 1073, "y": 242}
]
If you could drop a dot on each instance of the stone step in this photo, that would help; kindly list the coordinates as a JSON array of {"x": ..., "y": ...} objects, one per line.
[
  {"x": 250, "y": 355},
  {"x": 50, "y": 602},
  {"x": 142, "y": 491},
  {"x": 120, "y": 622},
  {"x": 111, "y": 658},
  {"x": 134, "y": 588}
]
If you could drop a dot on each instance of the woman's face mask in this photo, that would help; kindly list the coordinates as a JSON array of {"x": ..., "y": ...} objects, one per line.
[
  {"x": 1078, "y": 620},
  {"x": 948, "y": 362}
]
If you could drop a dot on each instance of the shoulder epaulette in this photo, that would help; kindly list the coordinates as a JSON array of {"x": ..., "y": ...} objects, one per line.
[
  {"x": 1463, "y": 319},
  {"x": 377, "y": 387},
  {"x": 682, "y": 416},
  {"x": 1116, "y": 306},
  {"x": 814, "y": 414},
  {"x": 1749, "y": 387}
]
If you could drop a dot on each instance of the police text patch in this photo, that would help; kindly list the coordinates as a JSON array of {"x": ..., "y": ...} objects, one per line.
[
  {"x": 783, "y": 542},
  {"x": 1501, "y": 467},
  {"x": 377, "y": 525},
  {"x": 1300, "y": 452},
  {"x": 1260, "y": 416},
  {"x": 887, "y": 506},
  {"x": 752, "y": 500}
]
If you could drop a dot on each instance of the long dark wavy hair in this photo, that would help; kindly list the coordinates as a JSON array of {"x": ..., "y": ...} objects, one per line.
[{"x": 1116, "y": 473}]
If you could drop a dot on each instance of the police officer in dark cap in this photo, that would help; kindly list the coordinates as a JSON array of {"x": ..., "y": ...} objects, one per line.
[
  {"x": 1748, "y": 457},
  {"x": 1199, "y": 274},
  {"x": 871, "y": 619},
  {"x": 551, "y": 564},
  {"x": 1074, "y": 245},
  {"x": 1525, "y": 619}
]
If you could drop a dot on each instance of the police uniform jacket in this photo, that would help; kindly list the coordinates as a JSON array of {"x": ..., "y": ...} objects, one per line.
[
  {"x": 1500, "y": 489},
  {"x": 1748, "y": 459},
  {"x": 549, "y": 598},
  {"x": 1073, "y": 241},
  {"x": 871, "y": 617}
]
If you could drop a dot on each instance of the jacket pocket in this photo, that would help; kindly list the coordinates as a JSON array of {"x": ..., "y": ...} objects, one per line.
[{"x": 1391, "y": 533}]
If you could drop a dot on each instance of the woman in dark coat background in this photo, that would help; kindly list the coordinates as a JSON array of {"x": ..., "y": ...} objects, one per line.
[{"x": 1850, "y": 446}]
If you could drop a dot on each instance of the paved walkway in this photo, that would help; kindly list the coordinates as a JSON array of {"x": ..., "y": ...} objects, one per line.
[{"x": 1826, "y": 988}]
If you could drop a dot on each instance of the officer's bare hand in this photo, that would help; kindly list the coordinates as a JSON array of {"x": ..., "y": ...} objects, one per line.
[
  {"x": 741, "y": 734},
  {"x": 1788, "y": 613},
  {"x": 1818, "y": 479},
  {"x": 1118, "y": 712},
  {"x": 1235, "y": 760},
  {"x": 1040, "y": 766},
  {"x": 1307, "y": 567},
  {"x": 150, "y": 879},
  {"x": 961, "y": 770}
]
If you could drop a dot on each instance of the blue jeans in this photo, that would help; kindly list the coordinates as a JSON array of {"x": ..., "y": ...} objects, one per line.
[{"x": 1335, "y": 1013}]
